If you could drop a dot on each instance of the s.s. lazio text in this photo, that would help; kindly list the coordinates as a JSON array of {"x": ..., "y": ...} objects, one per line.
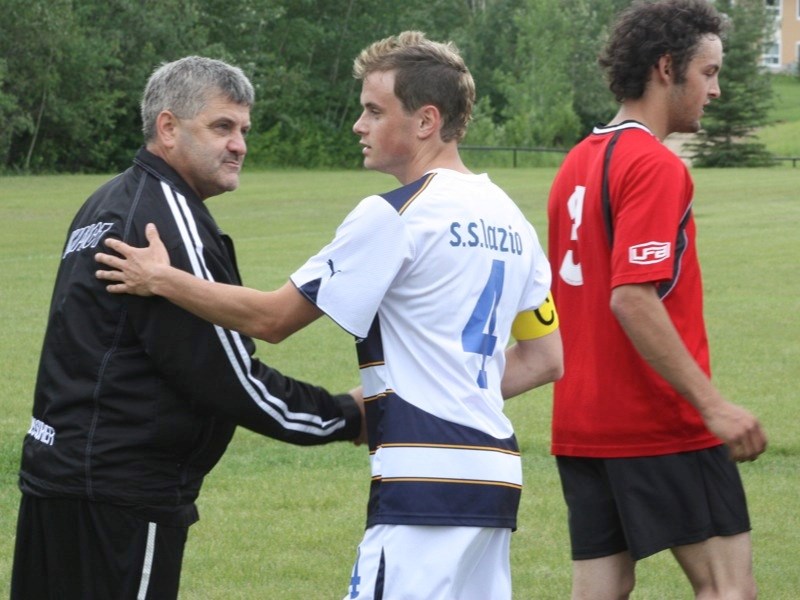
[{"x": 482, "y": 235}]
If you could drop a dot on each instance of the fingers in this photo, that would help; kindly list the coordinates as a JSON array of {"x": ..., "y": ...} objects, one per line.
[
  {"x": 118, "y": 246},
  {"x": 108, "y": 260},
  {"x": 750, "y": 446},
  {"x": 109, "y": 275},
  {"x": 118, "y": 288},
  {"x": 130, "y": 268}
]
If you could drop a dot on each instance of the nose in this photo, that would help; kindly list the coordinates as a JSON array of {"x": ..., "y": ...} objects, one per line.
[
  {"x": 237, "y": 143},
  {"x": 358, "y": 126},
  {"x": 714, "y": 91}
]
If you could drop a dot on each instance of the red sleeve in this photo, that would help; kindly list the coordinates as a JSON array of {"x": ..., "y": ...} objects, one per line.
[{"x": 651, "y": 193}]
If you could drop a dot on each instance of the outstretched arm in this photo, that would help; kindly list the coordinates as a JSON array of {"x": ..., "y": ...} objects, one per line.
[
  {"x": 270, "y": 316},
  {"x": 647, "y": 324}
]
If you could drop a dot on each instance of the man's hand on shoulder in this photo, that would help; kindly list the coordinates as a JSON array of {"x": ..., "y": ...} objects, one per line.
[{"x": 135, "y": 270}]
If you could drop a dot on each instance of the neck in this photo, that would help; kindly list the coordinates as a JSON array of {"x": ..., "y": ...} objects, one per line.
[
  {"x": 445, "y": 157},
  {"x": 647, "y": 111}
]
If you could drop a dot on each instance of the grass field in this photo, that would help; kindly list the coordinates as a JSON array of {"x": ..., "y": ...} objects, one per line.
[
  {"x": 283, "y": 522},
  {"x": 782, "y": 135}
]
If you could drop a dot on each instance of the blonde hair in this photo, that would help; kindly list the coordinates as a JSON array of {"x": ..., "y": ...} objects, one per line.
[{"x": 426, "y": 72}]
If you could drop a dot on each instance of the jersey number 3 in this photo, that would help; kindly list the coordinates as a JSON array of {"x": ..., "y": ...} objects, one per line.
[
  {"x": 478, "y": 334},
  {"x": 570, "y": 270}
]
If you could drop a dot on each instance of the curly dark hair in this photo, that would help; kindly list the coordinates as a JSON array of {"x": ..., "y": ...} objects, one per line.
[{"x": 646, "y": 31}]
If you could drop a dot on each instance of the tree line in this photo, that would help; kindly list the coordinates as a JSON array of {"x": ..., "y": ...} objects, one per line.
[{"x": 72, "y": 71}]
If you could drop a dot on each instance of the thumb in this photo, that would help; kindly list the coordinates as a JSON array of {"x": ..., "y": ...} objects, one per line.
[
  {"x": 153, "y": 239},
  {"x": 151, "y": 233}
]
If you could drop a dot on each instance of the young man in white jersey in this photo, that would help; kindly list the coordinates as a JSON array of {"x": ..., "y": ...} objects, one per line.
[
  {"x": 429, "y": 279},
  {"x": 644, "y": 441}
]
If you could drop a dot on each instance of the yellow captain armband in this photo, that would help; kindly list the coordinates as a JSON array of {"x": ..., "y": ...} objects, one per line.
[{"x": 532, "y": 324}]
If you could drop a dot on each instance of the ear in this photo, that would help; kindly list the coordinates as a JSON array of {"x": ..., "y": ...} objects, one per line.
[
  {"x": 166, "y": 128},
  {"x": 429, "y": 121},
  {"x": 665, "y": 70}
]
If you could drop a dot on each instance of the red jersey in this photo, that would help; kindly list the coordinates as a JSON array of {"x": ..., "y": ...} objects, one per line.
[{"x": 620, "y": 213}]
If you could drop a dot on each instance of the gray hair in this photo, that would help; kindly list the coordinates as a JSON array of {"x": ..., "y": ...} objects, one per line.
[{"x": 184, "y": 86}]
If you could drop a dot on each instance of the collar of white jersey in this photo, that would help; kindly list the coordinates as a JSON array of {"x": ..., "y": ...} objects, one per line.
[
  {"x": 601, "y": 129},
  {"x": 458, "y": 174}
]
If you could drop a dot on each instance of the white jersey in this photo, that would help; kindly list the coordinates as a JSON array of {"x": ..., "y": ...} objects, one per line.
[{"x": 429, "y": 278}]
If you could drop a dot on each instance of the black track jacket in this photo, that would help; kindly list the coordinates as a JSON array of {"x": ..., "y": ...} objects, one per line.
[{"x": 137, "y": 399}]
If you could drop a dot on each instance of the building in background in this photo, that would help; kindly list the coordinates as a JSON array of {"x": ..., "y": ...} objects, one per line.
[{"x": 783, "y": 54}]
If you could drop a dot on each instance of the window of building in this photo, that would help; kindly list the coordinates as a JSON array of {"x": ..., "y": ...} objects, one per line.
[
  {"x": 774, "y": 7},
  {"x": 772, "y": 55},
  {"x": 772, "y": 51}
]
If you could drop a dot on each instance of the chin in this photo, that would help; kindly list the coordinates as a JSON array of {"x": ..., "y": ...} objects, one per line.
[
  {"x": 230, "y": 184},
  {"x": 689, "y": 128}
]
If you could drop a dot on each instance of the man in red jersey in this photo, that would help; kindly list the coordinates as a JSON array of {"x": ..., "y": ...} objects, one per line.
[{"x": 645, "y": 443}]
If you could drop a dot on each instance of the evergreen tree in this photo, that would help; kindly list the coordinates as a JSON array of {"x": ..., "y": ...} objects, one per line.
[{"x": 728, "y": 138}]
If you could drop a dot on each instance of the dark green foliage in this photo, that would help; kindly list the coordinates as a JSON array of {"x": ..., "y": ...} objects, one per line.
[
  {"x": 72, "y": 73},
  {"x": 593, "y": 102}
]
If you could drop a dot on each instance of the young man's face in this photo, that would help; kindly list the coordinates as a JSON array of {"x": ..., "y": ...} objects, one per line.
[
  {"x": 210, "y": 148},
  {"x": 699, "y": 87},
  {"x": 387, "y": 132}
]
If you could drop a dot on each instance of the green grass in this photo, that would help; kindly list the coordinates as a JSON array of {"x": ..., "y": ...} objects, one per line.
[
  {"x": 782, "y": 135},
  {"x": 282, "y": 521}
]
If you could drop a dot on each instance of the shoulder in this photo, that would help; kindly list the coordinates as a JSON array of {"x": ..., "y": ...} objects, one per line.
[
  {"x": 639, "y": 145},
  {"x": 400, "y": 198},
  {"x": 640, "y": 156}
]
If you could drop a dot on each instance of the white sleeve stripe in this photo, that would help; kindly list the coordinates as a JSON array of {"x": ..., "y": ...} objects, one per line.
[
  {"x": 147, "y": 566},
  {"x": 239, "y": 358}
]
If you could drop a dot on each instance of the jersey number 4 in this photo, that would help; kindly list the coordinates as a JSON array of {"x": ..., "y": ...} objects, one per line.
[{"x": 478, "y": 334}]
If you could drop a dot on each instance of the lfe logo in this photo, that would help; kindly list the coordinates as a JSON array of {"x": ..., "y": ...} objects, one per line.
[{"x": 649, "y": 253}]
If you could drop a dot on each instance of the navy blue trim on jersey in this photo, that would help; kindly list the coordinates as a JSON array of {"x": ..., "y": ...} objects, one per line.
[
  {"x": 606, "y": 195},
  {"x": 400, "y": 198},
  {"x": 412, "y": 425},
  {"x": 370, "y": 349},
  {"x": 393, "y": 422},
  {"x": 311, "y": 290},
  {"x": 435, "y": 503},
  {"x": 681, "y": 243}
]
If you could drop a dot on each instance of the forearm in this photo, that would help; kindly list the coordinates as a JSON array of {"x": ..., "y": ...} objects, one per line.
[
  {"x": 647, "y": 324},
  {"x": 270, "y": 316},
  {"x": 531, "y": 363},
  {"x": 233, "y": 307},
  {"x": 218, "y": 372},
  {"x": 649, "y": 328}
]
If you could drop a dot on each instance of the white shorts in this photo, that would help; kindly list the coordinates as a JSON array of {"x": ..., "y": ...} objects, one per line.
[{"x": 415, "y": 562}]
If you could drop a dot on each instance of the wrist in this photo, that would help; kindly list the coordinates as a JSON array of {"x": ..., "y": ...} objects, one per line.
[{"x": 158, "y": 281}]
